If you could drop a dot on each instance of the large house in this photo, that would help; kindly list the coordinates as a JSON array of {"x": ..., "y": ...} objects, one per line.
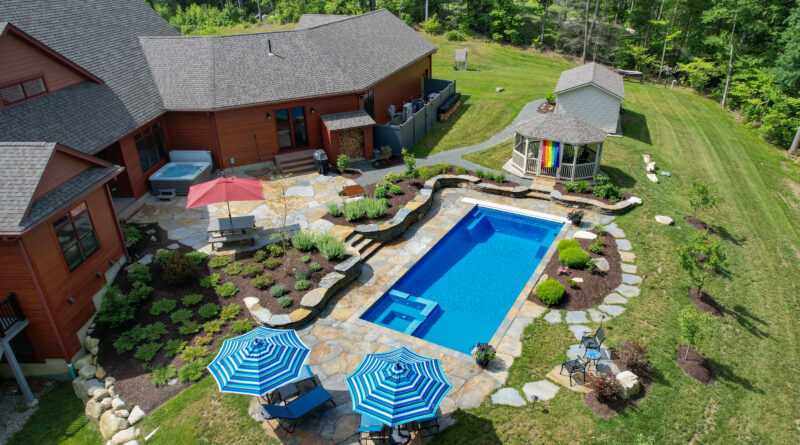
[
  {"x": 592, "y": 93},
  {"x": 95, "y": 95}
]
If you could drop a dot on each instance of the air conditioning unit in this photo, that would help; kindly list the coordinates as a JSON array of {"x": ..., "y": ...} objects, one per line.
[
  {"x": 408, "y": 111},
  {"x": 392, "y": 111}
]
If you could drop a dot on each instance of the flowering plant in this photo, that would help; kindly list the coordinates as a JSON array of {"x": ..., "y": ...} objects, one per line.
[
  {"x": 483, "y": 353},
  {"x": 575, "y": 216}
]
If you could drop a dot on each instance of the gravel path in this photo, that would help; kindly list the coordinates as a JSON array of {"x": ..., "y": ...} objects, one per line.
[{"x": 371, "y": 175}]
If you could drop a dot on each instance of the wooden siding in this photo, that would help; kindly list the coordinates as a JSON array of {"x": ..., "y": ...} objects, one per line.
[
  {"x": 21, "y": 60},
  {"x": 121, "y": 185},
  {"x": 133, "y": 182},
  {"x": 189, "y": 131},
  {"x": 592, "y": 105},
  {"x": 59, "y": 283},
  {"x": 61, "y": 168},
  {"x": 399, "y": 88}
]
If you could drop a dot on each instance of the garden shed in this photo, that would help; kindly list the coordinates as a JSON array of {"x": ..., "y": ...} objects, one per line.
[
  {"x": 592, "y": 93},
  {"x": 561, "y": 147}
]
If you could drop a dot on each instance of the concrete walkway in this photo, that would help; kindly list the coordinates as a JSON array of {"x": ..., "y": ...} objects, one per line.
[{"x": 371, "y": 175}]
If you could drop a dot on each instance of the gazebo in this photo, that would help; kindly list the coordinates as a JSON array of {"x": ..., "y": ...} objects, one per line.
[{"x": 561, "y": 147}]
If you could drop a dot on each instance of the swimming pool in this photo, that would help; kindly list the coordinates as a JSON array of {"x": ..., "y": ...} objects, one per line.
[{"x": 459, "y": 293}]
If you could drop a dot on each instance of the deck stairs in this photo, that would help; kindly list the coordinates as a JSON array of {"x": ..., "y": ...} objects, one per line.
[
  {"x": 295, "y": 162},
  {"x": 364, "y": 246}
]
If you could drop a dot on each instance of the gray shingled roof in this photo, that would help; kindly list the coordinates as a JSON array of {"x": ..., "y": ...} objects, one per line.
[
  {"x": 347, "y": 119},
  {"x": 21, "y": 167},
  {"x": 591, "y": 73},
  {"x": 348, "y": 55},
  {"x": 560, "y": 128},
  {"x": 311, "y": 20},
  {"x": 101, "y": 36}
]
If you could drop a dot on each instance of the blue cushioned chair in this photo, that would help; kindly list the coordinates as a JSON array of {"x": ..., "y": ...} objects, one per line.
[
  {"x": 372, "y": 429},
  {"x": 289, "y": 389},
  {"x": 427, "y": 427},
  {"x": 297, "y": 408}
]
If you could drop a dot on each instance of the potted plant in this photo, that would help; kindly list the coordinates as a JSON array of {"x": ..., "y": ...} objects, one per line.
[
  {"x": 483, "y": 354},
  {"x": 575, "y": 217}
]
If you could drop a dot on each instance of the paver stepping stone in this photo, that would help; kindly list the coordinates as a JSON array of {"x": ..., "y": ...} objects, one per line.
[
  {"x": 628, "y": 268},
  {"x": 542, "y": 389},
  {"x": 623, "y": 244},
  {"x": 300, "y": 191},
  {"x": 579, "y": 330},
  {"x": 631, "y": 279},
  {"x": 575, "y": 351},
  {"x": 615, "y": 231},
  {"x": 597, "y": 316},
  {"x": 553, "y": 316},
  {"x": 611, "y": 309},
  {"x": 173, "y": 246},
  {"x": 602, "y": 265},
  {"x": 508, "y": 396},
  {"x": 147, "y": 259},
  {"x": 575, "y": 317},
  {"x": 627, "y": 257},
  {"x": 628, "y": 291},
  {"x": 666, "y": 220},
  {"x": 615, "y": 299},
  {"x": 583, "y": 234},
  {"x": 563, "y": 380}
]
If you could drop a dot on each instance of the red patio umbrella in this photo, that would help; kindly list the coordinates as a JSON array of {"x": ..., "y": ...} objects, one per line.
[{"x": 224, "y": 190}]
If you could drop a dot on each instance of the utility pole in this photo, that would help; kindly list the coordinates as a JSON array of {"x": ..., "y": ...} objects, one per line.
[{"x": 730, "y": 61}]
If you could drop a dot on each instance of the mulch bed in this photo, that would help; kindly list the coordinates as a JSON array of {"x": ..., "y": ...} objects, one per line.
[
  {"x": 607, "y": 409},
  {"x": 133, "y": 382},
  {"x": 546, "y": 107},
  {"x": 695, "y": 365},
  {"x": 706, "y": 303},
  {"x": 595, "y": 286},
  {"x": 411, "y": 188},
  {"x": 699, "y": 225},
  {"x": 560, "y": 188}
]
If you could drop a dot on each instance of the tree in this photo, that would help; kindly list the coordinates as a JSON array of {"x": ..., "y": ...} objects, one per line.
[
  {"x": 699, "y": 71},
  {"x": 702, "y": 259},
  {"x": 703, "y": 197},
  {"x": 667, "y": 38},
  {"x": 694, "y": 326},
  {"x": 282, "y": 234},
  {"x": 730, "y": 60},
  {"x": 789, "y": 59}
]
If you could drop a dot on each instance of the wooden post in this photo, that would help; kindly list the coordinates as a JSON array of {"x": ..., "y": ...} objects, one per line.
[
  {"x": 560, "y": 157},
  {"x": 525, "y": 158},
  {"x": 597, "y": 159}
]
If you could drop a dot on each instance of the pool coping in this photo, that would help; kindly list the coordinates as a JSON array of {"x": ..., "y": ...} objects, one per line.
[{"x": 513, "y": 311}]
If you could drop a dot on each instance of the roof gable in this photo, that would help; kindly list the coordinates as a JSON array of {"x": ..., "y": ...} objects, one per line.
[{"x": 591, "y": 74}]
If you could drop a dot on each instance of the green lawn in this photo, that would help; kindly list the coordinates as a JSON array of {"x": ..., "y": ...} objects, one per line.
[
  {"x": 246, "y": 29},
  {"x": 492, "y": 157}
]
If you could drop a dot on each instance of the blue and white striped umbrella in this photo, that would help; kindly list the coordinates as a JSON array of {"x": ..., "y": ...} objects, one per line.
[
  {"x": 259, "y": 361},
  {"x": 397, "y": 386}
]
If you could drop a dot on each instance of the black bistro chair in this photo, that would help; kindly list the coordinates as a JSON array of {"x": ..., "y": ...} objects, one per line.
[
  {"x": 573, "y": 367},
  {"x": 594, "y": 341}
]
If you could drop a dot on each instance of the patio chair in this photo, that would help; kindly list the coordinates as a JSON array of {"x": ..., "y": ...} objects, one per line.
[
  {"x": 573, "y": 367},
  {"x": 594, "y": 341},
  {"x": 372, "y": 429},
  {"x": 426, "y": 427},
  {"x": 289, "y": 390},
  {"x": 297, "y": 408}
]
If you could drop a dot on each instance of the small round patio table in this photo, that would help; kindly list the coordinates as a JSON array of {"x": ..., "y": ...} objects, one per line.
[{"x": 594, "y": 355}]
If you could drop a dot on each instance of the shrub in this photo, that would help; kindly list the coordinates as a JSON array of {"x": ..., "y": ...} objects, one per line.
[
  {"x": 597, "y": 246},
  {"x": 253, "y": 270},
  {"x": 242, "y": 326},
  {"x": 600, "y": 229},
  {"x": 380, "y": 192},
  {"x": 301, "y": 285},
  {"x": 209, "y": 310},
  {"x": 605, "y": 189},
  {"x": 305, "y": 258},
  {"x": 432, "y": 25},
  {"x": 191, "y": 299},
  {"x": 202, "y": 340},
  {"x": 196, "y": 257},
  {"x": 271, "y": 263},
  {"x": 147, "y": 352},
  {"x": 550, "y": 291},
  {"x": 139, "y": 272},
  {"x": 210, "y": 281},
  {"x": 568, "y": 244},
  {"x": 550, "y": 98},
  {"x": 162, "y": 306},
  {"x": 131, "y": 234},
  {"x": 605, "y": 386},
  {"x": 162, "y": 255},
  {"x": 161, "y": 375},
  {"x": 395, "y": 190},
  {"x": 116, "y": 308},
  {"x": 574, "y": 257},
  {"x": 573, "y": 284},
  {"x": 177, "y": 269},
  {"x": 582, "y": 187},
  {"x": 442, "y": 168},
  {"x": 461, "y": 171},
  {"x": 374, "y": 208},
  {"x": 139, "y": 292},
  {"x": 303, "y": 240},
  {"x": 154, "y": 331},
  {"x": 569, "y": 187},
  {"x": 226, "y": 290},
  {"x": 174, "y": 347},
  {"x": 128, "y": 339},
  {"x": 315, "y": 267},
  {"x": 634, "y": 355},
  {"x": 301, "y": 275},
  {"x": 342, "y": 161},
  {"x": 393, "y": 178},
  {"x": 480, "y": 174},
  {"x": 181, "y": 316},
  {"x": 260, "y": 255},
  {"x": 219, "y": 261},
  {"x": 188, "y": 328},
  {"x": 275, "y": 250},
  {"x": 591, "y": 266},
  {"x": 191, "y": 371},
  {"x": 354, "y": 210},
  {"x": 277, "y": 290},
  {"x": 501, "y": 178},
  {"x": 262, "y": 282},
  {"x": 330, "y": 247},
  {"x": 285, "y": 302},
  {"x": 426, "y": 173},
  {"x": 230, "y": 311},
  {"x": 334, "y": 209},
  {"x": 234, "y": 268},
  {"x": 454, "y": 36},
  {"x": 411, "y": 164}
]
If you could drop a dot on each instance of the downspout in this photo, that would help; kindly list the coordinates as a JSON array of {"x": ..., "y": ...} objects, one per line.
[
  {"x": 116, "y": 223},
  {"x": 47, "y": 310}
]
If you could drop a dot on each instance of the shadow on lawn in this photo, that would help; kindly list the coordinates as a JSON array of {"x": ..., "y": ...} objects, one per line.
[
  {"x": 472, "y": 429},
  {"x": 620, "y": 178},
  {"x": 634, "y": 126},
  {"x": 748, "y": 321},
  {"x": 441, "y": 129},
  {"x": 728, "y": 236},
  {"x": 725, "y": 372}
]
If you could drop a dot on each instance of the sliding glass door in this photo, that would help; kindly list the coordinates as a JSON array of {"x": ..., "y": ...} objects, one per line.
[{"x": 291, "y": 125}]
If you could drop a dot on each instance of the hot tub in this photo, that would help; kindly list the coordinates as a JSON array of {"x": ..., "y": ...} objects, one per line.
[{"x": 179, "y": 176}]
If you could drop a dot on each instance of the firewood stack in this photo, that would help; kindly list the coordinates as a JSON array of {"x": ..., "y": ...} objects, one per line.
[{"x": 351, "y": 142}]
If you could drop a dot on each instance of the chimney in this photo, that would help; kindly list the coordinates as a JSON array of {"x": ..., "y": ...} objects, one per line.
[{"x": 269, "y": 42}]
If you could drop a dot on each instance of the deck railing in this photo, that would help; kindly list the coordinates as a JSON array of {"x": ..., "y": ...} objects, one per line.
[
  {"x": 564, "y": 171},
  {"x": 10, "y": 314}
]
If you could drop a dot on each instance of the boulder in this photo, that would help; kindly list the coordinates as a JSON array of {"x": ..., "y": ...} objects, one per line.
[
  {"x": 652, "y": 178},
  {"x": 111, "y": 391},
  {"x": 499, "y": 89},
  {"x": 117, "y": 403},
  {"x": 133, "y": 442},
  {"x": 111, "y": 424},
  {"x": 86, "y": 360},
  {"x": 106, "y": 403},
  {"x": 602, "y": 265},
  {"x": 125, "y": 436},
  {"x": 651, "y": 166},
  {"x": 90, "y": 343},
  {"x": 93, "y": 410},
  {"x": 666, "y": 220},
  {"x": 628, "y": 384},
  {"x": 100, "y": 394},
  {"x": 84, "y": 389},
  {"x": 646, "y": 159},
  {"x": 635, "y": 200},
  {"x": 124, "y": 413},
  {"x": 136, "y": 415},
  {"x": 583, "y": 234},
  {"x": 87, "y": 372},
  {"x": 109, "y": 381},
  {"x": 100, "y": 373}
]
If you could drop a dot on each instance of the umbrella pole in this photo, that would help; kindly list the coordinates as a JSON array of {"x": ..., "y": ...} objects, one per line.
[{"x": 230, "y": 218}]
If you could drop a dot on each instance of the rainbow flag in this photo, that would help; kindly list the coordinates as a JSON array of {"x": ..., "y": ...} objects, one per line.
[{"x": 550, "y": 154}]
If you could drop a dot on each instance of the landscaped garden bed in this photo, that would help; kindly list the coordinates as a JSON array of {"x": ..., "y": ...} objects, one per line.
[
  {"x": 603, "y": 190},
  {"x": 627, "y": 356}
]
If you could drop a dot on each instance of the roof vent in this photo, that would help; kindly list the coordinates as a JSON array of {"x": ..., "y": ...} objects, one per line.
[{"x": 269, "y": 42}]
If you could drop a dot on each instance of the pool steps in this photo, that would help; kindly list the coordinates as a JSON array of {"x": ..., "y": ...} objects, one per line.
[{"x": 407, "y": 307}]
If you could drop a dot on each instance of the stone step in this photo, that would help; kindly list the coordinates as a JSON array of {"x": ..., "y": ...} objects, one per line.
[
  {"x": 370, "y": 250},
  {"x": 353, "y": 238},
  {"x": 295, "y": 162},
  {"x": 361, "y": 244}
]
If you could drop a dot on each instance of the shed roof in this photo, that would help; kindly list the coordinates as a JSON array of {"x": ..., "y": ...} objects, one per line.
[
  {"x": 347, "y": 55},
  {"x": 347, "y": 119},
  {"x": 560, "y": 128},
  {"x": 594, "y": 74}
]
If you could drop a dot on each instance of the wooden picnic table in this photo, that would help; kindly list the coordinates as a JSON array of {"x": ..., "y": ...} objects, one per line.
[{"x": 237, "y": 223}]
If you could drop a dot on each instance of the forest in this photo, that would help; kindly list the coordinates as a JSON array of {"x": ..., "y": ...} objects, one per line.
[{"x": 743, "y": 53}]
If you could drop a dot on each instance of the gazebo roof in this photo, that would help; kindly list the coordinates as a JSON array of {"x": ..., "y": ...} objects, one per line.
[{"x": 560, "y": 128}]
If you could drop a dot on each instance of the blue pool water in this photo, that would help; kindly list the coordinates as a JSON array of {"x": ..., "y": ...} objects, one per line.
[
  {"x": 179, "y": 171},
  {"x": 458, "y": 293}
]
